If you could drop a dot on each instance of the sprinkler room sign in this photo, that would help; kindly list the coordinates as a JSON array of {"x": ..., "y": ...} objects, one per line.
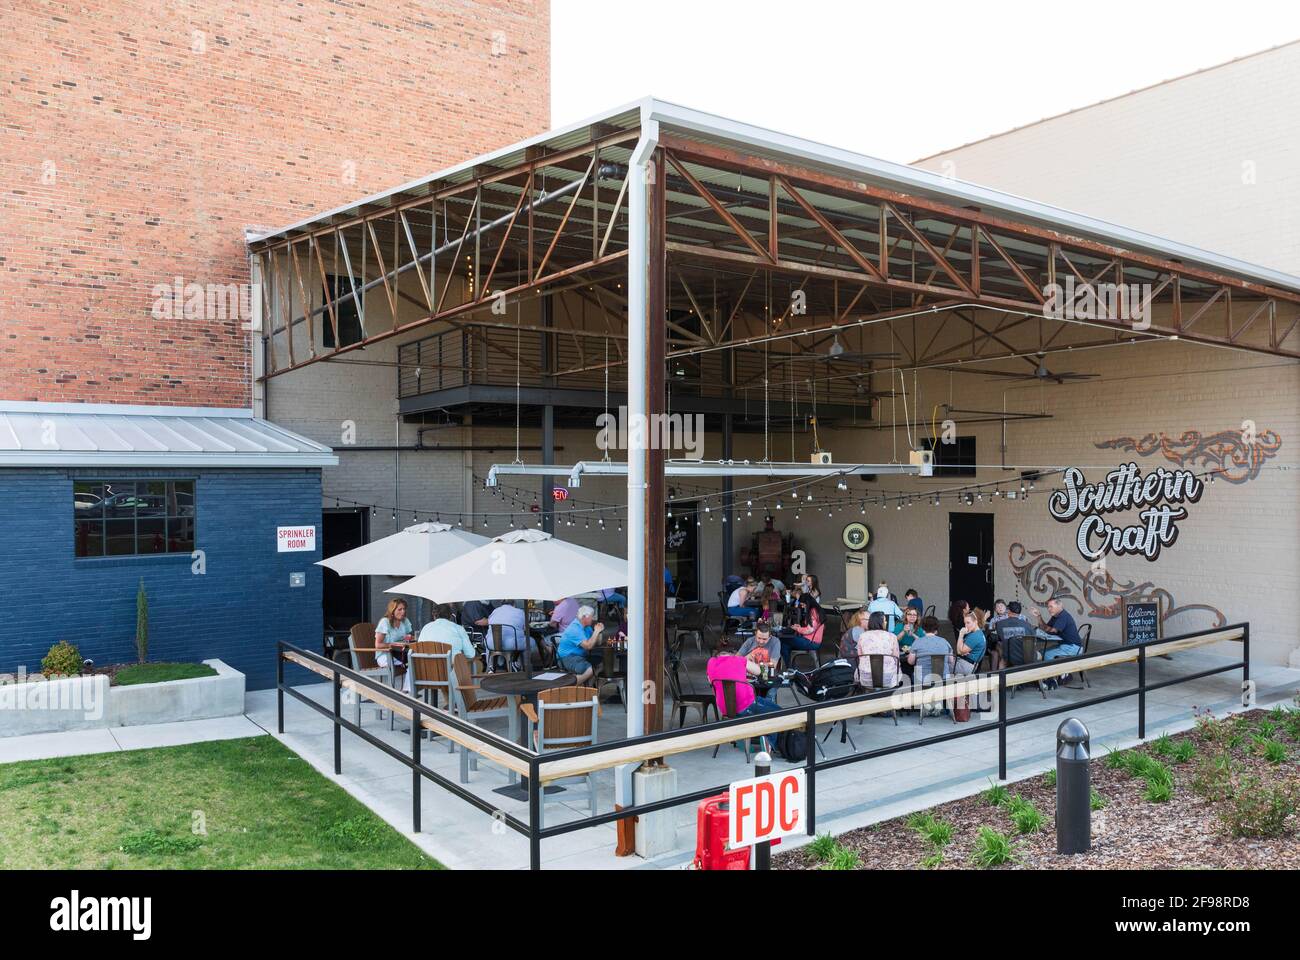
[{"x": 1158, "y": 496}]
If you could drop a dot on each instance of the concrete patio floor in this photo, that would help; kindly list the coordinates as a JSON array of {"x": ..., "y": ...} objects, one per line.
[{"x": 848, "y": 797}]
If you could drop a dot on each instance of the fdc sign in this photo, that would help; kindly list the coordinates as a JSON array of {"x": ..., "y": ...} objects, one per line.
[{"x": 767, "y": 808}]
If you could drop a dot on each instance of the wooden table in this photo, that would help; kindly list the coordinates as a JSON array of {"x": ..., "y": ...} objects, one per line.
[{"x": 525, "y": 686}]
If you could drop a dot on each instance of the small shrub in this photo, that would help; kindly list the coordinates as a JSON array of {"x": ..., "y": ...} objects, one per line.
[
  {"x": 932, "y": 861},
  {"x": 355, "y": 833},
  {"x": 1158, "y": 791},
  {"x": 1213, "y": 777},
  {"x": 1115, "y": 759},
  {"x": 1265, "y": 729},
  {"x": 1096, "y": 801},
  {"x": 1256, "y": 809},
  {"x": 63, "y": 660},
  {"x": 938, "y": 834},
  {"x": 1049, "y": 777},
  {"x": 920, "y": 821},
  {"x": 1274, "y": 751},
  {"x": 996, "y": 795},
  {"x": 1184, "y": 750},
  {"x": 1162, "y": 745},
  {"x": 153, "y": 842},
  {"x": 842, "y": 859},
  {"x": 992, "y": 848},
  {"x": 822, "y": 847},
  {"x": 1026, "y": 817}
]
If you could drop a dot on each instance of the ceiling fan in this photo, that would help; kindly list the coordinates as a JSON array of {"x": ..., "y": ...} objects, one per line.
[
  {"x": 1040, "y": 373},
  {"x": 835, "y": 352}
]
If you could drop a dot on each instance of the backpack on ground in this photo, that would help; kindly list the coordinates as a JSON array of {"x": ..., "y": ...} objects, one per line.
[{"x": 792, "y": 745}]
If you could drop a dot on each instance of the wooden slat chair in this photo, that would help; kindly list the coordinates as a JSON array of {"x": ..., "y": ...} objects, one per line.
[
  {"x": 429, "y": 662},
  {"x": 729, "y": 702},
  {"x": 565, "y": 717},
  {"x": 471, "y": 705},
  {"x": 497, "y": 634},
  {"x": 940, "y": 666},
  {"x": 362, "y": 649}
]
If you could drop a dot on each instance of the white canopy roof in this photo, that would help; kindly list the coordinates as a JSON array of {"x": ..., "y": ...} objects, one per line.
[
  {"x": 405, "y": 553},
  {"x": 113, "y": 435},
  {"x": 524, "y": 564}
]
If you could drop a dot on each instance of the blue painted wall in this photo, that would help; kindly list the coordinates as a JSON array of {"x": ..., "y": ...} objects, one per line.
[{"x": 236, "y": 610}]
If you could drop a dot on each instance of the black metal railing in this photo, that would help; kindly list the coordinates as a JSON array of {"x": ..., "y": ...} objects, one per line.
[{"x": 803, "y": 716}]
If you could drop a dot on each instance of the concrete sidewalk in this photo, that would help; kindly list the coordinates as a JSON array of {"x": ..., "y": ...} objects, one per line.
[{"x": 71, "y": 743}]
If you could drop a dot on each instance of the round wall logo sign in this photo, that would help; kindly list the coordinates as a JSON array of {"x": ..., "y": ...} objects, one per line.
[{"x": 856, "y": 536}]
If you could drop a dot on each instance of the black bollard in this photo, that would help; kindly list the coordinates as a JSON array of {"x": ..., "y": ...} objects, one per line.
[
  {"x": 1073, "y": 788},
  {"x": 762, "y": 851}
]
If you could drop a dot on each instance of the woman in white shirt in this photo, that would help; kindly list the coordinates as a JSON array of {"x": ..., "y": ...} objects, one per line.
[{"x": 392, "y": 634}]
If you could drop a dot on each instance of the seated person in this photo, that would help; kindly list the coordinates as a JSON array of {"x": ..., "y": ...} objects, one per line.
[
  {"x": 957, "y": 615},
  {"x": 444, "y": 629},
  {"x": 913, "y": 599},
  {"x": 1009, "y": 630},
  {"x": 514, "y": 636},
  {"x": 908, "y": 631},
  {"x": 999, "y": 612},
  {"x": 392, "y": 634},
  {"x": 736, "y": 603},
  {"x": 849, "y": 639},
  {"x": 564, "y": 612},
  {"x": 577, "y": 642},
  {"x": 805, "y": 633},
  {"x": 731, "y": 666},
  {"x": 922, "y": 649},
  {"x": 971, "y": 642},
  {"x": 761, "y": 648},
  {"x": 884, "y": 604},
  {"x": 1061, "y": 627},
  {"x": 474, "y": 615},
  {"x": 610, "y": 595},
  {"x": 876, "y": 639}
]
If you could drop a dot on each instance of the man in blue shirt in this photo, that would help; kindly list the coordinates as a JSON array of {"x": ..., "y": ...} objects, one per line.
[
  {"x": 1062, "y": 626},
  {"x": 913, "y": 599},
  {"x": 577, "y": 640}
]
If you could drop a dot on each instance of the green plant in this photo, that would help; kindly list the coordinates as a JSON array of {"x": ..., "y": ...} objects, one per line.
[
  {"x": 1096, "y": 801},
  {"x": 1256, "y": 809},
  {"x": 1049, "y": 777},
  {"x": 1184, "y": 750},
  {"x": 1274, "y": 751},
  {"x": 62, "y": 660},
  {"x": 1158, "y": 791},
  {"x": 938, "y": 834},
  {"x": 1265, "y": 728},
  {"x": 992, "y": 848},
  {"x": 1115, "y": 759},
  {"x": 822, "y": 846},
  {"x": 1213, "y": 777},
  {"x": 996, "y": 794},
  {"x": 355, "y": 833},
  {"x": 1163, "y": 745},
  {"x": 141, "y": 623},
  {"x": 153, "y": 842},
  {"x": 1026, "y": 817},
  {"x": 842, "y": 859},
  {"x": 920, "y": 821},
  {"x": 932, "y": 861}
]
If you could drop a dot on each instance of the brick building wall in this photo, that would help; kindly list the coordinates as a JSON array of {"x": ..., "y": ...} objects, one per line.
[
  {"x": 140, "y": 137},
  {"x": 235, "y": 609}
]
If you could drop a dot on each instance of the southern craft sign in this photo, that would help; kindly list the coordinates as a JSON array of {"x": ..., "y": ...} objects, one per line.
[{"x": 1159, "y": 495}]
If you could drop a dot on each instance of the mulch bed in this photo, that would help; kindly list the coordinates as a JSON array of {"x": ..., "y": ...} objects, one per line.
[{"x": 1131, "y": 832}]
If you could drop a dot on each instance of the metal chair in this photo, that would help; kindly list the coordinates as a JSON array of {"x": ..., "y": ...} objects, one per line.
[
  {"x": 1085, "y": 634},
  {"x": 940, "y": 664},
  {"x": 362, "y": 650},
  {"x": 692, "y": 622},
  {"x": 1029, "y": 654},
  {"x": 512, "y": 659},
  {"x": 429, "y": 663},
  {"x": 876, "y": 674},
  {"x": 684, "y": 700},
  {"x": 565, "y": 717}
]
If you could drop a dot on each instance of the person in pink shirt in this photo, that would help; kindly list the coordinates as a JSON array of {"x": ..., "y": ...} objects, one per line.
[
  {"x": 564, "y": 613},
  {"x": 876, "y": 639},
  {"x": 731, "y": 666}
]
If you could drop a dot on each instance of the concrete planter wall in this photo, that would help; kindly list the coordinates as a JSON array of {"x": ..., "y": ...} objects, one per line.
[{"x": 80, "y": 703}]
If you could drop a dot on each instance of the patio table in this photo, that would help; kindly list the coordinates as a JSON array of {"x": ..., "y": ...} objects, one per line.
[{"x": 525, "y": 686}]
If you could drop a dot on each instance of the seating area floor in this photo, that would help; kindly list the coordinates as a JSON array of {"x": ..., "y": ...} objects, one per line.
[{"x": 850, "y": 796}]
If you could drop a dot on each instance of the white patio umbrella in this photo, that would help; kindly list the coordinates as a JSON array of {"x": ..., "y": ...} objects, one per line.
[
  {"x": 521, "y": 564},
  {"x": 405, "y": 553}
]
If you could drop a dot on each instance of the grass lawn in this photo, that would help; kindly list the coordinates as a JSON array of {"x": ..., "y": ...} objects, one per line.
[
  {"x": 259, "y": 804},
  {"x": 160, "y": 672}
]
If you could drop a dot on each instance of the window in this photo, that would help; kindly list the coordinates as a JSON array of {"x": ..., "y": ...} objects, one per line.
[
  {"x": 347, "y": 312},
  {"x": 955, "y": 459},
  {"x": 127, "y": 518}
]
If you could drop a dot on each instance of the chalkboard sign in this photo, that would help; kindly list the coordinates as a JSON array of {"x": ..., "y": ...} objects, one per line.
[{"x": 1141, "y": 621}]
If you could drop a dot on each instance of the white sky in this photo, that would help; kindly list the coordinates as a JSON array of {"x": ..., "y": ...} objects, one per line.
[{"x": 897, "y": 80}]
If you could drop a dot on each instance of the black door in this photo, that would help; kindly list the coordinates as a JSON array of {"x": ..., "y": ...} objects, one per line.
[
  {"x": 681, "y": 550},
  {"x": 970, "y": 559},
  {"x": 346, "y": 600}
]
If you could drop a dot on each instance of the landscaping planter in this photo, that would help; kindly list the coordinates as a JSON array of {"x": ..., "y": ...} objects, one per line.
[{"x": 81, "y": 703}]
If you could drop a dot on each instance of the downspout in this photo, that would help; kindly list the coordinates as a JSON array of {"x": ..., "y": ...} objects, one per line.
[
  {"x": 637, "y": 326},
  {"x": 257, "y": 349}
]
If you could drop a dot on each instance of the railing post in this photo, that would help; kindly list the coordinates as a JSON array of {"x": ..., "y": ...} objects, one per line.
[
  {"x": 416, "y": 730},
  {"x": 279, "y": 686},
  {"x": 338, "y": 719},
  {"x": 1002, "y": 724},
  {"x": 762, "y": 851},
  {"x": 1142, "y": 692},
  {"x": 534, "y": 816},
  {"x": 1245, "y": 662},
  {"x": 810, "y": 770}
]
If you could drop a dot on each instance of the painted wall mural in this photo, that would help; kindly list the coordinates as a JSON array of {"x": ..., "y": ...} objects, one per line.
[
  {"x": 1238, "y": 454},
  {"x": 1095, "y": 593}
]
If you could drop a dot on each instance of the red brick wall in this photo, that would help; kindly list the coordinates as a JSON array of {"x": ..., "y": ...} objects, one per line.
[{"x": 139, "y": 138}]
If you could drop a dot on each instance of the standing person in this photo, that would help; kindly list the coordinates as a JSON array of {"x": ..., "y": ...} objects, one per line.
[
  {"x": 577, "y": 642},
  {"x": 971, "y": 642},
  {"x": 392, "y": 634},
  {"x": 877, "y": 639},
  {"x": 884, "y": 604},
  {"x": 913, "y": 599}
]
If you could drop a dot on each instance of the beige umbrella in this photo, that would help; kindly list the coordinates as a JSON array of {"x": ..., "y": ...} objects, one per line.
[
  {"x": 523, "y": 564},
  {"x": 405, "y": 553}
]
